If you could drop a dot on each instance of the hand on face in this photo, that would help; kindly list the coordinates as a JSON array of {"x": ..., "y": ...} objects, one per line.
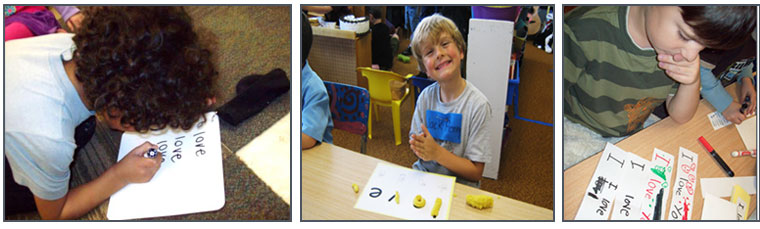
[
  {"x": 424, "y": 145},
  {"x": 679, "y": 68}
]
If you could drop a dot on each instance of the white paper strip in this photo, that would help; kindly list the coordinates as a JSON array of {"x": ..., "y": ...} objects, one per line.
[
  {"x": 628, "y": 199},
  {"x": 684, "y": 186},
  {"x": 656, "y": 191},
  {"x": 600, "y": 192},
  {"x": 723, "y": 186}
]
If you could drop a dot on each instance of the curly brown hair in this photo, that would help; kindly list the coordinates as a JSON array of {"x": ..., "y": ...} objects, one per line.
[{"x": 145, "y": 64}]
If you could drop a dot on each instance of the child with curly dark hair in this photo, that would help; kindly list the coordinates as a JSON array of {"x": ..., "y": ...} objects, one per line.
[{"x": 135, "y": 68}]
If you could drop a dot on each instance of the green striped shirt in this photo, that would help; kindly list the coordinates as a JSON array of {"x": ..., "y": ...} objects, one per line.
[{"x": 610, "y": 85}]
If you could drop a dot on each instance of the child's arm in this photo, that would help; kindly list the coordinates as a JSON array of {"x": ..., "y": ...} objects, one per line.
[
  {"x": 714, "y": 93},
  {"x": 307, "y": 141},
  {"x": 683, "y": 105},
  {"x": 425, "y": 147},
  {"x": 134, "y": 168}
]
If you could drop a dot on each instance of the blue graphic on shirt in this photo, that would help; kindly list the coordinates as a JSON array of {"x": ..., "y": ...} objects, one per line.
[{"x": 444, "y": 126}]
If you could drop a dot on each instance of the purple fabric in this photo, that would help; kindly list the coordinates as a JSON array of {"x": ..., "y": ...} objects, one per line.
[
  {"x": 66, "y": 11},
  {"x": 40, "y": 22}
]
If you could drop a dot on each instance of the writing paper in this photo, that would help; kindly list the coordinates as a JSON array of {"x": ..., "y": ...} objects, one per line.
[
  {"x": 379, "y": 194},
  {"x": 600, "y": 192},
  {"x": 723, "y": 186},
  {"x": 717, "y": 120},
  {"x": 715, "y": 208},
  {"x": 190, "y": 179},
  {"x": 628, "y": 199},
  {"x": 684, "y": 186},
  {"x": 741, "y": 199},
  {"x": 748, "y": 132},
  {"x": 659, "y": 179}
]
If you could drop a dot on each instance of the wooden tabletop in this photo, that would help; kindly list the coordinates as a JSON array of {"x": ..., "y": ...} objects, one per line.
[
  {"x": 326, "y": 194},
  {"x": 668, "y": 136}
]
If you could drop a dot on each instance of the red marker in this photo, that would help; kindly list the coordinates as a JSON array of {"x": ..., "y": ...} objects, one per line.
[{"x": 716, "y": 156}]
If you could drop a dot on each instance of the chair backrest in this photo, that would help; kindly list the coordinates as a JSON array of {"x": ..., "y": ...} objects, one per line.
[
  {"x": 349, "y": 107},
  {"x": 379, "y": 82},
  {"x": 420, "y": 84}
]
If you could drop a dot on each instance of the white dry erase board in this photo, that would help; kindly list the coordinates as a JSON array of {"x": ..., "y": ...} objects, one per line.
[
  {"x": 379, "y": 194},
  {"x": 489, "y": 51},
  {"x": 190, "y": 179}
]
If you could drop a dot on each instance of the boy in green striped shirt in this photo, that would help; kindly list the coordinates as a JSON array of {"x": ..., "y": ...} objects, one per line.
[{"x": 620, "y": 62}]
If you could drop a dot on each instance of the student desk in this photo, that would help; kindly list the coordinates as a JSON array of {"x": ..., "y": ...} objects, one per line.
[
  {"x": 328, "y": 172},
  {"x": 668, "y": 136}
]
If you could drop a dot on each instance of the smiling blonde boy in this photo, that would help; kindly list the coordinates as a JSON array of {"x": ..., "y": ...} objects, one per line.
[{"x": 447, "y": 133}]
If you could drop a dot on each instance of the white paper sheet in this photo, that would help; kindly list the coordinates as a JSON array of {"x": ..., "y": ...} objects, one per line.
[
  {"x": 268, "y": 155},
  {"x": 659, "y": 179},
  {"x": 723, "y": 186},
  {"x": 190, "y": 179},
  {"x": 628, "y": 198},
  {"x": 717, "y": 120},
  {"x": 684, "y": 186},
  {"x": 715, "y": 208},
  {"x": 601, "y": 189},
  {"x": 379, "y": 194},
  {"x": 748, "y": 132}
]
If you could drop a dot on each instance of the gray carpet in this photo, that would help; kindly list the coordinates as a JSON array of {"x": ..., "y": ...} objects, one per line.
[{"x": 243, "y": 40}]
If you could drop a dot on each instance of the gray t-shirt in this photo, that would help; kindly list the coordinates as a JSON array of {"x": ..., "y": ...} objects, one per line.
[
  {"x": 42, "y": 110},
  {"x": 456, "y": 125}
]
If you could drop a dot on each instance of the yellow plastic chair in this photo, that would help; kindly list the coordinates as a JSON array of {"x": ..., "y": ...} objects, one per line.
[{"x": 380, "y": 94}]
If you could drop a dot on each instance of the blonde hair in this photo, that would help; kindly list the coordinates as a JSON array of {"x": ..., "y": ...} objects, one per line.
[{"x": 430, "y": 30}]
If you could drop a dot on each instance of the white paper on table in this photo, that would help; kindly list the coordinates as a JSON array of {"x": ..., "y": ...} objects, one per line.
[
  {"x": 190, "y": 179},
  {"x": 628, "y": 198},
  {"x": 379, "y": 193},
  {"x": 715, "y": 208},
  {"x": 684, "y": 186},
  {"x": 748, "y": 132},
  {"x": 600, "y": 192},
  {"x": 717, "y": 120},
  {"x": 659, "y": 178},
  {"x": 724, "y": 186}
]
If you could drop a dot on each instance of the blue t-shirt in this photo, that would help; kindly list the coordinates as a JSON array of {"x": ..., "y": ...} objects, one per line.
[
  {"x": 42, "y": 110},
  {"x": 315, "y": 107}
]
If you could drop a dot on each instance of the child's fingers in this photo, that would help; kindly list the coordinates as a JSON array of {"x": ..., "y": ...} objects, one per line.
[
  {"x": 419, "y": 138},
  {"x": 142, "y": 148},
  {"x": 425, "y": 130}
]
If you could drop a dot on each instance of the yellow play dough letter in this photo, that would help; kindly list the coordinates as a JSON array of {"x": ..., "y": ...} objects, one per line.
[
  {"x": 356, "y": 188},
  {"x": 480, "y": 201},
  {"x": 436, "y": 207},
  {"x": 419, "y": 202}
]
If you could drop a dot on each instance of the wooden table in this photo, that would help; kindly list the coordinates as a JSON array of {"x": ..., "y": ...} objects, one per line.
[
  {"x": 668, "y": 136},
  {"x": 328, "y": 172}
]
